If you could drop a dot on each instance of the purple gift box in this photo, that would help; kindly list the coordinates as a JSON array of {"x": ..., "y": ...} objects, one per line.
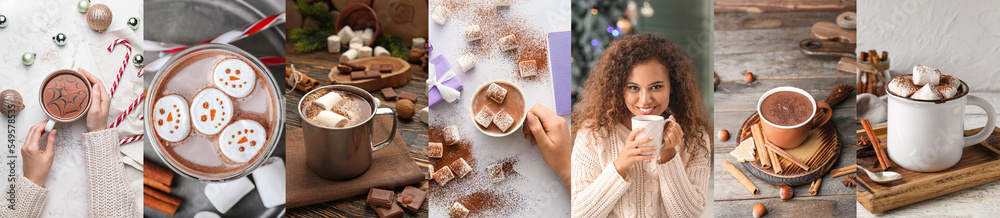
[
  {"x": 441, "y": 66},
  {"x": 559, "y": 54}
]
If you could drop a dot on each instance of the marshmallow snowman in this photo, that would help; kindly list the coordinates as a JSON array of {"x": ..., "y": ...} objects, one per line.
[
  {"x": 242, "y": 140},
  {"x": 234, "y": 77},
  {"x": 211, "y": 110},
  {"x": 170, "y": 118}
]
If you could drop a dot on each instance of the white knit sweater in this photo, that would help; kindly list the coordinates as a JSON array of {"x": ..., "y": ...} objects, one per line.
[
  {"x": 108, "y": 188},
  {"x": 676, "y": 188}
]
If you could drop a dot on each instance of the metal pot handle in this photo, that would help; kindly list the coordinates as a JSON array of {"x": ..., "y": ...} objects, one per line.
[{"x": 385, "y": 111}]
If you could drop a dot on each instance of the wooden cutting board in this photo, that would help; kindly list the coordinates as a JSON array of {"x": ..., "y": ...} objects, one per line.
[
  {"x": 831, "y": 31},
  {"x": 399, "y": 77},
  {"x": 819, "y": 151},
  {"x": 980, "y": 164}
]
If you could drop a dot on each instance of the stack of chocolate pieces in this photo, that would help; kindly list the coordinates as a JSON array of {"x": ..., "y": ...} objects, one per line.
[{"x": 388, "y": 204}]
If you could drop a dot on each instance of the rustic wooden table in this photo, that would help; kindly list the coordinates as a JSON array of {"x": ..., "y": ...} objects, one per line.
[
  {"x": 767, "y": 45},
  {"x": 317, "y": 65}
]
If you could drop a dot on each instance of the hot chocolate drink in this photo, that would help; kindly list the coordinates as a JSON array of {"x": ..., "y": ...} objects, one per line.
[
  {"x": 65, "y": 95},
  {"x": 214, "y": 112},
  {"x": 335, "y": 108},
  {"x": 498, "y": 107},
  {"x": 786, "y": 108}
]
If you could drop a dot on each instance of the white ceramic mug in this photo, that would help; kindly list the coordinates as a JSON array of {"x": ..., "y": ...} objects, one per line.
[
  {"x": 927, "y": 136},
  {"x": 652, "y": 126}
]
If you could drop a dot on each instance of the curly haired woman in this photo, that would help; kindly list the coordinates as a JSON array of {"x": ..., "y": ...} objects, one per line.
[{"x": 640, "y": 74}]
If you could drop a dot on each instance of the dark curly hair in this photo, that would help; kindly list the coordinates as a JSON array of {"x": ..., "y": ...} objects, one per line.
[{"x": 602, "y": 102}]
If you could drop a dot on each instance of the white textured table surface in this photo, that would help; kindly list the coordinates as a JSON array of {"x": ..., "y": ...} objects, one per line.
[{"x": 31, "y": 25}]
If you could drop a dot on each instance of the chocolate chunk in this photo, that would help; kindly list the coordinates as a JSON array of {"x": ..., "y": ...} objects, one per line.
[
  {"x": 411, "y": 198},
  {"x": 393, "y": 211},
  {"x": 407, "y": 95},
  {"x": 354, "y": 67},
  {"x": 372, "y": 74},
  {"x": 358, "y": 75},
  {"x": 343, "y": 68},
  {"x": 386, "y": 68},
  {"x": 389, "y": 93},
  {"x": 379, "y": 197}
]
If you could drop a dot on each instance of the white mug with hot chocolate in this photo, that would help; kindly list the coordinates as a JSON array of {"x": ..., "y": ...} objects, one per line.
[{"x": 652, "y": 126}]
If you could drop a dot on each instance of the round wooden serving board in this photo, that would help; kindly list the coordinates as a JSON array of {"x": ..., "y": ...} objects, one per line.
[
  {"x": 819, "y": 152},
  {"x": 400, "y": 74}
]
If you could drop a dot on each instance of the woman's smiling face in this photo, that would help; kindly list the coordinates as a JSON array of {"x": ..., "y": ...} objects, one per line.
[{"x": 647, "y": 88}]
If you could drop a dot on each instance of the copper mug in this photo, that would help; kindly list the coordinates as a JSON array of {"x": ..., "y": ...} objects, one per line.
[{"x": 789, "y": 137}]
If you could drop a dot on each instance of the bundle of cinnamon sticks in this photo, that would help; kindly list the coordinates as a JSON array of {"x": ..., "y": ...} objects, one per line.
[
  {"x": 156, "y": 181},
  {"x": 870, "y": 68}
]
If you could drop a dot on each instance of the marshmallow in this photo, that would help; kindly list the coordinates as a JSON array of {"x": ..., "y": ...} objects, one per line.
[
  {"x": 496, "y": 172},
  {"x": 430, "y": 172},
  {"x": 49, "y": 125},
  {"x": 947, "y": 92},
  {"x": 496, "y": 93},
  {"x": 527, "y": 68},
  {"x": 948, "y": 80},
  {"x": 503, "y": 120},
  {"x": 365, "y": 52},
  {"x": 206, "y": 214},
  {"x": 435, "y": 150},
  {"x": 356, "y": 43},
  {"x": 333, "y": 44},
  {"x": 902, "y": 86},
  {"x": 484, "y": 117},
  {"x": 418, "y": 43},
  {"x": 472, "y": 33},
  {"x": 235, "y": 77},
  {"x": 211, "y": 110},
  {"x": 331, "y": 119},
  {"x": 425, "y": 115},
  {"x": 170, "y": 118},
  {"x": 359, "y": 34},
  {"x": 242, "y": 140},
  {"x": 225, "y": 195},
  {"x": 451, "y": 135},
  {"x": 923, "y": 75},
  {"x": 467, "y": 61},
  {"x": 443, "y": 175},
  {"x": 381, "y": 52},
  {"x": 440, "y": 15},
  {"x": 928, "y": 92},
  {"x": 458, "y": 210},
  {"x": 508, "y": 43},
  {"x": 329, "y": 100},
  {"x": 368, "y": 35},
  {"x": 345, "y": 34},
  {"x": 461, "y": 167},
  {"x": 349, "y": 55},
  {"x": 501, "y": 3},
  {"x": 270, "y": 181}
]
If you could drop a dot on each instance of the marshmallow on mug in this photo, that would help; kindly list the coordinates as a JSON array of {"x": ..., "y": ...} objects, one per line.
[
  {"x": 333, "y": 44},
  {"x": 947, "y": 91},
  {"x": 241, "y": 140},
  {"x": 928, "y": 92},
  {"x": 467, "y": 61},
  {"x": 211, "y": 110},
  {"x": 948, "y": 80},
  {"x": 235, "y": 77},
  {"x": 903, "y": 86},
  {"x": 381, "y": 52},
  {"x": 923, "y": 75},
  {"x": 329, "y": 100},
  {"x": 365, "y": 52},
  {"x": 440, "y": 15},
  {"x": 171, "y": 120},
  {"x": 331, "y": 119},
  {"x": 349, "y": 55},
  {"x": 484, "y": 117},
  {"x": 472, "y": 33},
  {"x": 503, "y": 120},
  {"x": 346, "y": 34}
]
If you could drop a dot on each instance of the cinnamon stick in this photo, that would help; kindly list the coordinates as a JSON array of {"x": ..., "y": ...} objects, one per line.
[
  {"x": 774, "y": 161},
  {"x": 781, "y": 152},
  {"x": 874, "y": 56},
  {"x": 740, "y": 177},
  {"x": 161, "y": 196},
  {"x": 758, "y": 142},
  {"x": 159, "y": 205},
  {"x": 853, "y": 168},
  {"x": 814, "y": 187},
  {"x": 863, "y": 56},
  {"x": 155, "y": 184},
  {"x": 883, "y": 159},
  {"x": 885, "y": 55},
  {"x": 157, "y": 173}
]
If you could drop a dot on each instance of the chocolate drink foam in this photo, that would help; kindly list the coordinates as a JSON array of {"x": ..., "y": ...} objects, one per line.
[{"x": 786, "y": 108}]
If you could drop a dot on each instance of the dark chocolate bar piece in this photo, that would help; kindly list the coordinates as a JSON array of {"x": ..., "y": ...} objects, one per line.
[
  {"x": 379, "y": 197},
  {"x": 372, "y": 74},
  {"x": 354, "y": 67},
  {"x": 411, "y": 198},
  {"x": 393, "y": 211},
  {"x": 386, "y": 68},
  {"x": 389, "y": 93},
  {"x": 343, "y": 68},
  {"x": 358, "y": 75},
  {"x": 406, "y": 95}
]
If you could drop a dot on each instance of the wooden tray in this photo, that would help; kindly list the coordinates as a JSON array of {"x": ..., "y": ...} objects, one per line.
[
  {"x": 980, "y": 164},
  {"x": 820, "y": 151},
  {"x": 399, "y": 77}
]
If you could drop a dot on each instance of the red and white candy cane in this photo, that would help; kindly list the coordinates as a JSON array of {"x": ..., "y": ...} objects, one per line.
[
  {"x": 128, "y": 54},
  {"x": 226, "y": 38},
  {"x": 128, "y": 110},
  {"x": 130, "y": 139}
]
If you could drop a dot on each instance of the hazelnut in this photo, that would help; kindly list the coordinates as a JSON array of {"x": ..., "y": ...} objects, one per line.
[
  {"x": 716, "y": 75},
  {"x": 407, "y": 199},
  {"x": 748, "y": 77},
  {"x": 404, "y": 108},
  {"x": 759, "y": 210},
  {"x": 786, "y": 193},
  {"x": 723, "y": 135}
]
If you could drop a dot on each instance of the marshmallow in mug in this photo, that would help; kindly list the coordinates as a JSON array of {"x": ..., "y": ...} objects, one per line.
[
  {"x": 923, "y": 75},
  {"x": 926, "y": 83}
]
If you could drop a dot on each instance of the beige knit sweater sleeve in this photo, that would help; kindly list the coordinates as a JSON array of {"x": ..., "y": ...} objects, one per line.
[
  {"x": 28, "y": 199},
  {"x": 109, "y": 193},
  {"x": 683, "y": 184},
  {"x": 595, "y": 187}
]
